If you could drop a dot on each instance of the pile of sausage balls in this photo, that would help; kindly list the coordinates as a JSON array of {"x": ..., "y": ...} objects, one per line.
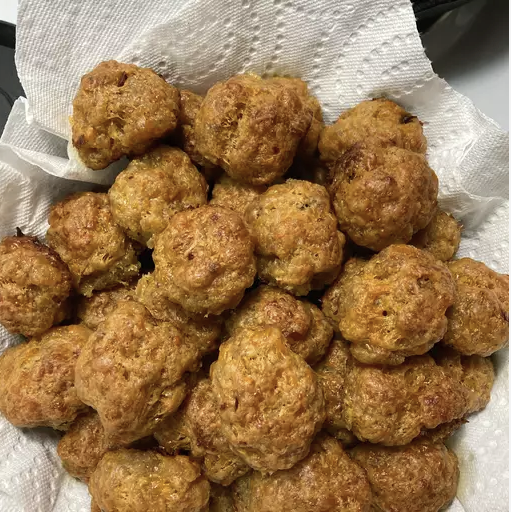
[{"x": 262, "y": 313}]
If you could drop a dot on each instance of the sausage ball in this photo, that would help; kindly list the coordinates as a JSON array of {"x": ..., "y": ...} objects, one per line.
[
  {"x": 34, "y": 286},
  {"x": 84, "y": 234},
  {"x": 235, "y": 195},
  {"x": 479, "y": 319},
  {"x": 298, "y": 246},
  {"x": 133, "y": 370},
  {"x": 379, "y": 121},
  {"x": 382, "y": 196},
  {"x": 198, "y": 429},
  {"x": 93, "y": 310},
  {"x": 331, "y": 372},
  {"x": 131, "y": 480},
  {"x": 152, "y": 189},
  {"x": 270, "y": 402},
  {"x": 475, "y": 372},
  {"x": 220, "y": 498},
  {"x": 83, "y": 445},
  {"x": 307, "y": 331},
  {"x": 203, "y": 331},
  {"x": 204, "y": 260},
  {"x": 37, "y": 379},
  {"x": 252, "y": 127},
  {"x": 441, "y": 237},
  {"x": 421, "y": 476},
  {"x": 121, "y": 109},
  {"x": 390, "y": 405},
  {"x": 326, "y": 480},
  {"x": 391, "y": 306}
]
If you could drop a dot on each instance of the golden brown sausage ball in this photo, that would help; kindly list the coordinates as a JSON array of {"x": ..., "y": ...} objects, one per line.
[
  {"x": 204, "y": 260},
  {"x": 37, "y": 379},
  {"x": 393, "y": 305},
  {"x": 152, "y": 189},
  {"x": 235, "y": 195},
  {"x": 252, "y": 127},
  {"x": 331, "y": 372},
  {"x": 270, "y": 401},
  {"x": 133, "y": 370},
  {"x": 475, "y": 372},
  {"x": 441, "y": 237},
  {"x": 382, "y": 196},
  {"x": 307, "y": 331},
  {"x": 297, "y": 242},
  {"x": 131, "y": 480},
  {"x": 326, "y": 480},
  {"x": 83, "y": 445},
  {"x": 84, "y": 234},
  {"x": 421, "y": 476},
  {"x": 220, "y": 498},
  {"x": 121, "y": 109},
  {"x": 479, "y": 319},
  {"x": 34, "y": 286},
  {"x": 198, "y": 429},
  {"x": 379, "y": 121},
  {"x": 204, "y": 331},
  {"x": 93, "y": 310}
]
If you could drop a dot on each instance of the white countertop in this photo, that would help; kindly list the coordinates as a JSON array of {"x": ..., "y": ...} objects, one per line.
[{"x": 477, "y": 64}]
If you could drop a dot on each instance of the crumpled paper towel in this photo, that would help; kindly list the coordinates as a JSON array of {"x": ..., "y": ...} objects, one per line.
[{"x": 347, "y": 50}]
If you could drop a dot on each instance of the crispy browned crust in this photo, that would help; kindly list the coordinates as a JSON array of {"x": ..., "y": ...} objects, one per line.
[{"x": 121, "y": 109}]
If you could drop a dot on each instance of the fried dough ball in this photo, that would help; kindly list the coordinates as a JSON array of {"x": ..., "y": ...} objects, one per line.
[
  {"x": 37, "y": 379},
  {"x": 307, "y": 331},
  {"x": 121, "y": 109},
  {"x": 152, "y": 189},
  {"x": 441, "y": 237},
  {"x": 331, "y": 372},
  {"x": 393, "y": 305},
  {"x": 204, "y": 260},
  {"x": 133, "y": 370},
  {"x": 479, "y": 319},
  {"x": 421, "y": 476},
  {"x": 270, "y": 402},
  {"x": 220, "y": 498},
  {"x": 475, "y": 372},
  {"x": 34, "y": 286},
  {"x": 326, "y": 480},
  {"x": 82, "y": 231},
  {"x": 131, "y": 480},
  {"x": 297, "y": 242},
  {"x": 204, "y": 331},
  {"x": 382, "y": 196},
  {"x": 379, "y": 121},
  {"x": 198, "y": 429},
  {"x": 83, "y": 445},
  {"x": 252, "y": 127},
  {"x": 235, "y": 195},
  {"x": 92, "y": 311}
]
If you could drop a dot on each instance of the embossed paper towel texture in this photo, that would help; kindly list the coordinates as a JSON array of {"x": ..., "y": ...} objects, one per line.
[{"x": 347, "y": 51}]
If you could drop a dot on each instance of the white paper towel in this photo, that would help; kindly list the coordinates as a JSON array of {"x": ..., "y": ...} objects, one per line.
[{"x": 347, "y": 51}]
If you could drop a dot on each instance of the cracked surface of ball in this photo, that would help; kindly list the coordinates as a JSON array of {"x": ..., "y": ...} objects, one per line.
[
  {"x": 393, "y": 305},
  {"x": 270, "y": 401},
  {"x": 479, "y": 319},
  {"x": 252, "y": 127},
  {"x": 153, "y": 188},
  {"x": 298, "y": 246},
  {"x": 121, "y": 109},
  {"x": 37, "y": 377},
  {"x": 34, "y": 286},
  {"x": 82, "y": 231},
  {"x": 131, "y": 480},
  {"x": 382, "y": 196}
]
